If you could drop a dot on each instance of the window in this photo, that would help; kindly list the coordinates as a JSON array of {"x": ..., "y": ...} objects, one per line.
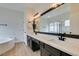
[
  {"x": 54, "y": 27},
  {"x": 67, "y": 23},
  {"x": 51, "y": 27},
  {"x": 66, "y": 26}
]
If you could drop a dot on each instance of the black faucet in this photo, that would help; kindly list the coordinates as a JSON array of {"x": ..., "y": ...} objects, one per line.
[{"x": 61, "y": 36}]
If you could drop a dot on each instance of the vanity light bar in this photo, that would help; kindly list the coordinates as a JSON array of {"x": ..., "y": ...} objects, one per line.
[
  {"x": 54, "y": 5},
  {"x": 35, "y": 14}
]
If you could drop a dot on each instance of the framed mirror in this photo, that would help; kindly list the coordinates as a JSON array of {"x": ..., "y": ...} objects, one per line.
[{"x": 59, "y": 21}]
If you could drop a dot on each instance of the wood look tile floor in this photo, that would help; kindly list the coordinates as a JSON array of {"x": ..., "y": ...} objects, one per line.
[{"x": 21, "y": 49}]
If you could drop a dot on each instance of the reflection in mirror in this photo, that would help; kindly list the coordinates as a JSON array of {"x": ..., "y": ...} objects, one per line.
[{"x": 55, "y": 21}]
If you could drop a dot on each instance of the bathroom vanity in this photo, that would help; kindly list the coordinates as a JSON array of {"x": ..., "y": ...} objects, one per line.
[
  {"x": 55, "y": 33},
  {"x": 45, "y": 49}
]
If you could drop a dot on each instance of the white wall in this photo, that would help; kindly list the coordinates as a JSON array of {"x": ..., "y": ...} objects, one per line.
[
  {"x": 15, "y": 24},
  {"x": 74, "y": 18}
]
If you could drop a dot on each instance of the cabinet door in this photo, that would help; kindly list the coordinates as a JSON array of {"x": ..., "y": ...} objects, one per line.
[
  {"x": 35, "y": 46},
  {"x": 45, "y": 53},
  {"x": 47, "y": 50},
  {"x": 53, "y": 51},
  {"x": 28, "y": 40},
  {"x": 42, "y": 50}
]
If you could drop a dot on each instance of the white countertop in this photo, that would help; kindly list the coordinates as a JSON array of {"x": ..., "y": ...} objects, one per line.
[{"x": 70, "y": 46}]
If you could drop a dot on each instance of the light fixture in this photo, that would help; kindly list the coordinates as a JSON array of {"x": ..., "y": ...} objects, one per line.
[
  {"x": 54, "y": 5},
  {"x": 35, "y": 14},
  {"x": 38, "y": 15}
]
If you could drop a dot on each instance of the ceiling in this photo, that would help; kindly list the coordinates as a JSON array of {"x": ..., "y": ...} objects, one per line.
[
  {"x": 22, "y": 6},
  {"x": 14, "y": 6}
]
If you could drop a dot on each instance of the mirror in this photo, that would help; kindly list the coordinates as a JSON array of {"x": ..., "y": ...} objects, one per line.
[{"x": 55, "y": 21}]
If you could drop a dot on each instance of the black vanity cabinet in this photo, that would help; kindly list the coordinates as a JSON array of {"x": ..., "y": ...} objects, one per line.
[
  {"x": 33, "y": 43},
  {"x": 47, "y": 50}
]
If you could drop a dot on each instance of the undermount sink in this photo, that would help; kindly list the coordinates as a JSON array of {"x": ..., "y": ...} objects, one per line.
[
  {"x": 61, "y": 43},
  {"x": 64, "y": 43}
]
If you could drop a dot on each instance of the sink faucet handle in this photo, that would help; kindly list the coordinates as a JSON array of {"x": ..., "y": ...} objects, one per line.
[{"x": 61, "y": 38}]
